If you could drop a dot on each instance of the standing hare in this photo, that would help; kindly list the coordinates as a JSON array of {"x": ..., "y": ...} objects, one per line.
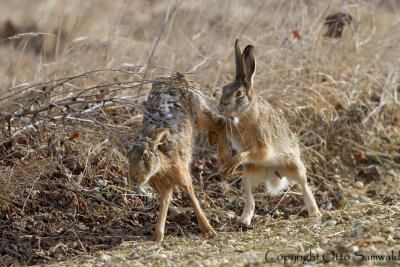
[
  {"x": 163, "y": 153},
  {"x": 266, "y": 147}
]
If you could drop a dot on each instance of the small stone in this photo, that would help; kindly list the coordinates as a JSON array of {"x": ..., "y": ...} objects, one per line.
[
  {"x": 229, "y": 247},
  {"x": 133, "y": 256},
  {"x": 319, "y": 251},
  {"x": 197, "y": 264},
  {"x": 136, "y": 264},
  {"x": 120, "y": 258},
  {"x": 162, "y": 256},
  {"x": 192, "y": 237},
  {"x": 353, "y": 249},
  {"x": 359, "y": 185},
  {"x": 390, "y": 229},
  {"x": 152, "y": 248},
  {"x": 365, "y": 223},
  {"x": 105, "y": 258},
  {"x": 224, "y": 261},
  {"x": 358, "y": 231},
  {"x": 330, "y": 223},
  {"x": 168, "y": 263}
]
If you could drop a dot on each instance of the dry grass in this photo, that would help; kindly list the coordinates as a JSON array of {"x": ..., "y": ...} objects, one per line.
[{"x": 340, "y": 95}]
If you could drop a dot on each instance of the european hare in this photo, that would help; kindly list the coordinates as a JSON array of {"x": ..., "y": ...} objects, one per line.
[
  {"x": 266, "y": 147},
  {"x": 163, "y": 153}
]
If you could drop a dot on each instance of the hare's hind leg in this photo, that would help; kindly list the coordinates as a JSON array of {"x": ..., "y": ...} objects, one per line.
[
  {"x": 186, "y": 183},
  {"x": 249, "y": 205},
  {"x": 297, "y": 172},
  {"x": 250, "y": 177}
]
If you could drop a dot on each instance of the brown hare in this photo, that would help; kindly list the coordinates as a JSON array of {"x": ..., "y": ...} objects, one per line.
[
  {"x": 266, "y": 147},
  {"x": 163, "y": 152}
]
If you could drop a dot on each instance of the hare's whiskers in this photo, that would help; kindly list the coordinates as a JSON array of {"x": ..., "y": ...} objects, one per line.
[{"x": 241, "y": 136}]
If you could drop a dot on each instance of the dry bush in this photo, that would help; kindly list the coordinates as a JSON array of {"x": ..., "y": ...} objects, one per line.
[{"x": 69, "y": 113}]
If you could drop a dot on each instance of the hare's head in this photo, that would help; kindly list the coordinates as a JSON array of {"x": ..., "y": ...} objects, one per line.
[
  {"x": 239, "y": 95},
  {"x": 144, "y": 158}
]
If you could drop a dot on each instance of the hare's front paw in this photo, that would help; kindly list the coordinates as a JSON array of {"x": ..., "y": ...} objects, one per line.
[
  {"x": 157, "y": 237},
  {"x": 220, "y": 120},
  {"x": 209, "y": 232},
  {"x": 228, "y": 168}
]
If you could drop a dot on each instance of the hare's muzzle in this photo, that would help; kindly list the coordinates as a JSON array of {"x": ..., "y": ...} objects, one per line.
[
  {"x": 139, "y": 179},
  {"x": 227, "y": 112},
  {"x": 135, "y": 177}
]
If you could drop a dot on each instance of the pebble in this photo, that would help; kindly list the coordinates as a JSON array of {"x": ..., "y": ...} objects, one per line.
[
  {"x": 152, "y": 248},
  {"x": 224, "y": 261},
  {"x": 353, "y": 249},
  {"x": 168, "y": 263},
  {"x": 197, "y": 264},
  {"x": 200, "y": 254},
  {"x": 330, "y": 223},
  {"x": 358, "y": 231},
  {"x": 133, "y": 256},
  {"x": 390, "y": 229},
  {"x": 365, "y": 223},
  {"x": 192, "y": 237},
  {"x": 105, "y": 258},
  {"x": 229, "y": 247},
  {"x": 319, "y": 251},
  {"x": 120, "y": 258},
  {"x": 359, "y": 185},
  {"x": 136, "y": 264}
]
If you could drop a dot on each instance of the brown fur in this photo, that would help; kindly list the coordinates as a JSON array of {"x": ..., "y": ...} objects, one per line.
[
  {"x": 162, "y": 154},
  {"x": 261, "y": 135}
]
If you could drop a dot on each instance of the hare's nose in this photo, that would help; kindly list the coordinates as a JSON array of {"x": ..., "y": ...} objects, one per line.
[{"x": 220, "y": 109}]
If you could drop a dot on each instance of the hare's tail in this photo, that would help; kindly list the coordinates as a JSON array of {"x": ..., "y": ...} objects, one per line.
[{"x": 276, "y": 184}]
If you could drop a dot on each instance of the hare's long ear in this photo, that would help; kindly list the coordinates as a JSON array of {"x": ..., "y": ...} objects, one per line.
[
  {"x": 238, "y": 60},
  {"x": 249, "y": 64},
  {"x": 161, "y": 136}
]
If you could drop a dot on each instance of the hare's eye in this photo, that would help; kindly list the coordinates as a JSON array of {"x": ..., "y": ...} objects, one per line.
[
  {"x": 145, "y": 156},
  {"x": 239, "y": 93}
]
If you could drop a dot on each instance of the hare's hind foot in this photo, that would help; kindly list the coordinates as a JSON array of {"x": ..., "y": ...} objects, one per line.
[
  {"x": 245, "y": 219},
  {"x": 205, "y": 227},
  {"x": 157, "y": 237},
  {"x": 209, "y": 232},
  {"x": 314, "y": 213},
  {"x": 206, "y": 230}
]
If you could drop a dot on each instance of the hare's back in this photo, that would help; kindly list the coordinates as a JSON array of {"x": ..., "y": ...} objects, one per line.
[{"x": 168, "y": 103}]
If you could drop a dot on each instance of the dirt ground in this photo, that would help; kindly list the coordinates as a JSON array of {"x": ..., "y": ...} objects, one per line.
[
  {"x": 362, "y": 231},
  {"x": 74, "y": 77}
]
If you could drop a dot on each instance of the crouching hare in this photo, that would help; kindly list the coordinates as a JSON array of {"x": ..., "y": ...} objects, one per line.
[
  {"x": 163, "y": 153},
  {"x": 266, "y": 147}
]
